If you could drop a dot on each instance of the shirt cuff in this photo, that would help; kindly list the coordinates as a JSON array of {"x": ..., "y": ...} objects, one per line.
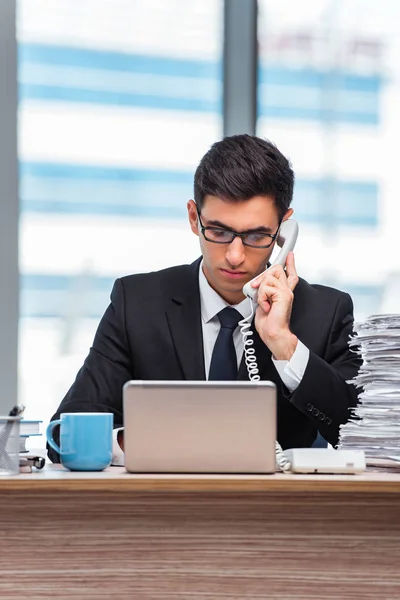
[
  {"x": 118, "y": 457},
  {"x": 291, "y": 371}
]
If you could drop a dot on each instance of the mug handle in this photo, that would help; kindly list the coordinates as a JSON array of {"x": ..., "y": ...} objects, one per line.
[{"x": 49, "y": 435}]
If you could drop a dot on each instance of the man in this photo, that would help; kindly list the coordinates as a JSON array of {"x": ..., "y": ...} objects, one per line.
[{"x": 166, "y": 325}]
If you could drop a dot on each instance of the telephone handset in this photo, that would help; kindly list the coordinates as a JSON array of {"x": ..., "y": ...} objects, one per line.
[{"x": 287, "y": 238}]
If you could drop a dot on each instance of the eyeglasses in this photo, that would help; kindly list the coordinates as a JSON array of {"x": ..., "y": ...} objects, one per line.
[{"x": 217, "y": 235}]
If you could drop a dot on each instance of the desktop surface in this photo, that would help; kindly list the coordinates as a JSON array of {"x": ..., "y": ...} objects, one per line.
[{"x": 56, "y": 477}]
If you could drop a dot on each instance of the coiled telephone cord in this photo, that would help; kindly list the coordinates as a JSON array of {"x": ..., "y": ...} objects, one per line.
[{"x": 282, "y": 463}]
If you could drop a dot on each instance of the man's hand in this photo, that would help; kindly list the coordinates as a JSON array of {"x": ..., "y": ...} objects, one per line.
[{"x": 275, "y": 300}]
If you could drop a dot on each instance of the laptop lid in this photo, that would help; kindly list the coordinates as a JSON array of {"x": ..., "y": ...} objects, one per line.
[{"x": 199, "y": 426}]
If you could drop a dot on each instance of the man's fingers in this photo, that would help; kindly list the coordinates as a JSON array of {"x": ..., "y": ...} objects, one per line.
[
  {"x": 276, "y": 276},
  {"x": 268, "y": 294},
  {"x": 278, "y": 272},
  {"x": 291, "y": 273},
  {"x": 274, "y": 273},
  {"x": 257, "y": 281}
]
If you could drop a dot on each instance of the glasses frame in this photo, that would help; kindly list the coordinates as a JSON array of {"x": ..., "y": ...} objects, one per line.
[{"x": 236, "y": 234}]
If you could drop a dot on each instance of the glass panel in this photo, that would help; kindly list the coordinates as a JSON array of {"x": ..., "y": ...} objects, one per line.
[
  {"x": 328, "y": 97},
  {"x": 118, "y": 102}
]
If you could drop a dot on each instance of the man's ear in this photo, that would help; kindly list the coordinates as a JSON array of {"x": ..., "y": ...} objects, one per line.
[
  {"x": 193, "y": 218},
  {"x": 288, "y": 214}
]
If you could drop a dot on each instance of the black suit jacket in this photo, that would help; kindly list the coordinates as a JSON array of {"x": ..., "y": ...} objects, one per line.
[{"x": 152, "y": 330}]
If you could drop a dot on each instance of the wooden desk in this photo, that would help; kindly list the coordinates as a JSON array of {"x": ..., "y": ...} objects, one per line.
[{"x": 113, "y": 535}]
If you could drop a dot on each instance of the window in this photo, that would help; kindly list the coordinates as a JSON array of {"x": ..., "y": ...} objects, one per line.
[
  {"x": 327, "y": 96},
  {"x": 118, "y": 102}
]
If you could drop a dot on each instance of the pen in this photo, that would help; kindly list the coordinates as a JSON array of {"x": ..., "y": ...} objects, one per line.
[{"x": 16, "y": 410}]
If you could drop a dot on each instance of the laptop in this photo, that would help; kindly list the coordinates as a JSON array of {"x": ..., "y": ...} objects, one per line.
[{"x": 199, "y": 426}]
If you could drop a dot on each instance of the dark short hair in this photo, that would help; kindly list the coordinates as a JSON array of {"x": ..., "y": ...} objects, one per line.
[{"x": 240, "y": 167}]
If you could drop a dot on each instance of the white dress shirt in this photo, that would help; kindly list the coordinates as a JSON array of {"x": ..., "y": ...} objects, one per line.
[{"x": 290, "y": 371}]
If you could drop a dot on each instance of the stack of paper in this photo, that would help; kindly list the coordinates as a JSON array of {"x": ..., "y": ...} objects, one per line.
[{"x": 375, "y": 424}]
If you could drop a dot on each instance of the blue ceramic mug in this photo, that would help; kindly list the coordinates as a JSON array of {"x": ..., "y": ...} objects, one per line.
[{"x": 85, "y": 440}]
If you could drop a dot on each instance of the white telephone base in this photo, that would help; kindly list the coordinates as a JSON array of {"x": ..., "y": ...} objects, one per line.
[{"x": 325, "y": 460}]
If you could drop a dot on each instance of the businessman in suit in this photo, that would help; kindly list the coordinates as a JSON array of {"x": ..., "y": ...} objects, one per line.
[{"x": 182, "y": 322}]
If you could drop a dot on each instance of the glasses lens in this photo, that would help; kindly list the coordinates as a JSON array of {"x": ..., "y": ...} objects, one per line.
[
  {"x": 257, "y": 239},
  {"x": 218, "y": 235}
]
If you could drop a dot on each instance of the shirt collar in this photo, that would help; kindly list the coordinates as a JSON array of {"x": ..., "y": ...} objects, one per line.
[{"x": 211, "y": 303}]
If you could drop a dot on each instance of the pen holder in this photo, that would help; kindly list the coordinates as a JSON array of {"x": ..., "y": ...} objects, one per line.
[{"x": 9, "y": 445}]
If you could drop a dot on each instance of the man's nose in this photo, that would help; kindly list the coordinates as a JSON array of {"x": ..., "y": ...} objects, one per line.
[{"x": 235, "y": 253}]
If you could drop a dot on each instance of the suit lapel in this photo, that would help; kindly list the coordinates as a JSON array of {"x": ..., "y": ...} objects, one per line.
[{"x": 184, "y": 321}]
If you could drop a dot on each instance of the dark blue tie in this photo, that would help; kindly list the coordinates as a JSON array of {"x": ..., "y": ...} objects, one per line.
[{"x": 223, "y": 365}]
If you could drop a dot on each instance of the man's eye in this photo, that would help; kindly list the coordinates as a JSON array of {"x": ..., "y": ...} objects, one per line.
[
  {"x": 256, "y": 237},
  {"x": 219, "y": 233}
]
